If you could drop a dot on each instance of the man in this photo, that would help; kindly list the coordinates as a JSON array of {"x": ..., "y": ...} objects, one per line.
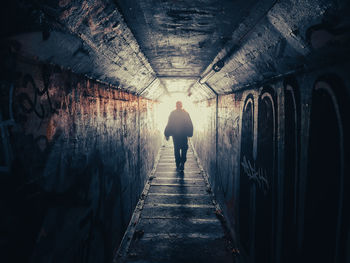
[{"x": 179, "y": 127}]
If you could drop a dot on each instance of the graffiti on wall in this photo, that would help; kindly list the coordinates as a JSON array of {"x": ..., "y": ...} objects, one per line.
[
  {"x": 74, "y": 161},
  {"x": 29, "y": 105},
  {"x": 256, "y": 175}
]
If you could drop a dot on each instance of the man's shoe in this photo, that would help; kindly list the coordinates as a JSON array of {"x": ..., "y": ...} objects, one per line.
[{"x": 181, "y": 167}]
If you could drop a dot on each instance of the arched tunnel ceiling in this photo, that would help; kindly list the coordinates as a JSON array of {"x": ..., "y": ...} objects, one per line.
[
  {"x": 156, "y": 47},
  {"x": 181, "y": 38},
  {"x": 89, "y": 37},
  {"x": 256, "y": 40}
]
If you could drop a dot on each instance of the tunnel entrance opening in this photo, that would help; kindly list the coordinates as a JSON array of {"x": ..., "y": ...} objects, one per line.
[
  {"x": 245, "y": 184},
  {"x": 291, "y": 173},
  {"x": 265, "y": 190},
  {"x": 324, "y": 186}
]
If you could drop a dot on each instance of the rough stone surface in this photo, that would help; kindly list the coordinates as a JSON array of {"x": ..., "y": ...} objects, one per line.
[
  {"x": 88, "y": 37},
  {"x": 280, "y": 43},
  {"x": 74, "y": 157},
  {"x": 75, "y": 152},
  {"x": 181, "y": 38},
  {"x": 264, "y": 172},
  {"x": 178, "y": 221},
  {"x": 204, "y": 136}
]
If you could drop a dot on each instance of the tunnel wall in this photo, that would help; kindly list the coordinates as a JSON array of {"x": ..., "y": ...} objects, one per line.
[
  {"x": 74, "y": 158},
  {"x": 279, "y": 169},
  {"x": 204, "y": 135}
]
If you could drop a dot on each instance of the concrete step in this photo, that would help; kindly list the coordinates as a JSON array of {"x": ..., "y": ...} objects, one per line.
[
  {"x": 180, "y": 212},
  {"x": 178, "y": 199},
  {"x": 178, "y": 221},
  {"x": 177, "y": 189},
  {"x": 172, "y": 167},
  {"x": 171, "y": 155},
  {"x": 172, "y": 164},
  {"x": 180, "y": 181},
  {"x": 191, "y": 247},
  {"x": 183, "y": 226},
  {"x": 168, "y": 169},
  {"x": 166, "y": 162},
  {"x": 173, "y": 173}
]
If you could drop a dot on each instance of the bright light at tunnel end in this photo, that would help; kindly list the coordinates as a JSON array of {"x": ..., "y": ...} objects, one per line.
[{"x": 167, "y": 105}]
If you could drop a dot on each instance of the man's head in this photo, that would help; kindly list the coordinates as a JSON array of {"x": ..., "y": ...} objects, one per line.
[{"x": 178, "y": 105}]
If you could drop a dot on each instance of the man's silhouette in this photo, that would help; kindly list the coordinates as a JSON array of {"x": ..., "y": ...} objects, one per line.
[{"x": 179, "y": 127}]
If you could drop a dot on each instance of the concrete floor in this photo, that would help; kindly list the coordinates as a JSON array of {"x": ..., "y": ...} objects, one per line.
[{"x": 178, "y": 221}]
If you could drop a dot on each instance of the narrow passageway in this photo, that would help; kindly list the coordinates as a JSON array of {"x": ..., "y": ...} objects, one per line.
[
  {"x": 87, "y": 89},
  {"x": 178, "y": 221}
]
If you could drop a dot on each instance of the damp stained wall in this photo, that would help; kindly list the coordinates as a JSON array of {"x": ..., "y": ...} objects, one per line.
[
  {"x": 74, "y": 157},
  {"x": 279, "y": 171},
  {"x": 204, "y": 134}
]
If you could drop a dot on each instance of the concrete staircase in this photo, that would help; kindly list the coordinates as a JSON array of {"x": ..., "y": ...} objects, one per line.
[{"x": 176, "y": 220}]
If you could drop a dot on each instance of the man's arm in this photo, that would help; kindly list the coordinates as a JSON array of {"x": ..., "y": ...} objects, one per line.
[
  {"x": 189, "y": 126},
  {"x": 168, "y": 129}
]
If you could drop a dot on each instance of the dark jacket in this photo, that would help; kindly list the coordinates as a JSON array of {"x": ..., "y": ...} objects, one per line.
[{"x": 179, "y": 124}]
